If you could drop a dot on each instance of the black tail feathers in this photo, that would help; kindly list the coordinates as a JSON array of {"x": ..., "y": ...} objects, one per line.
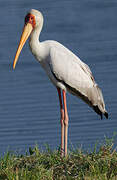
[
  {"x": 97, "y": 110},
  {"x": 106, "y": 115}
]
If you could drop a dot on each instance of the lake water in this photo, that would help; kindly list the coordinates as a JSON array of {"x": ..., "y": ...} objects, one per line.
[{"x": 29, "y": 107}]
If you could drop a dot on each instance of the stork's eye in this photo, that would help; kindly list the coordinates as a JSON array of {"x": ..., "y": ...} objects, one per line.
[{"x": 30, "y": 19}]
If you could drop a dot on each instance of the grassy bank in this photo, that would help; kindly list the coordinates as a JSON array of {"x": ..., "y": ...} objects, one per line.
[{"x": 36, "y": 165}]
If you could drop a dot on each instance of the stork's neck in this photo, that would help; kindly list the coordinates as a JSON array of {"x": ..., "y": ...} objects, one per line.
[
  {"x": 37, "y": 48},
  {"x": 36, "y": 34},
  {"x": 34, "y": 40}
]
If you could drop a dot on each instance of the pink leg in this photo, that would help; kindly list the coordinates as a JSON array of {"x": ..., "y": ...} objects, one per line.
[
  {"x": 62, "y": 122},
  {"x": 65, "y": 120}
]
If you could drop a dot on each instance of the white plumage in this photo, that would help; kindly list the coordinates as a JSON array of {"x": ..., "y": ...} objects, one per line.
[
  {"x": 64, "y": 67},
  {"x": 66, "y": 71}
]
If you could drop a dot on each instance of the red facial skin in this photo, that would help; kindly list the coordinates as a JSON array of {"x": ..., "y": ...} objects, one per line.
[{"x": 30, "y": 18}]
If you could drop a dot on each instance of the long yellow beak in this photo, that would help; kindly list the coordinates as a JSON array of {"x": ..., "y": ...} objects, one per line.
[{"x": 25, "y": 34}]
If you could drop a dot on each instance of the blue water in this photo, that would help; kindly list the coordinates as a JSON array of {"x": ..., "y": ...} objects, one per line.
[{"x": 29, "y": 107}]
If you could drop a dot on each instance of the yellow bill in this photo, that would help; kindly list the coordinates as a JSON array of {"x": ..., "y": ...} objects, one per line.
[{"x": 25, "y": 34}]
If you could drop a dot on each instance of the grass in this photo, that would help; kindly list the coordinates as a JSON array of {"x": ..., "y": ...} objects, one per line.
[{"x": 48, "y": 165}]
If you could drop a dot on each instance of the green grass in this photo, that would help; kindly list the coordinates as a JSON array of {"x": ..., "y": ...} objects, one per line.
[{"x": 48, "y": 165}]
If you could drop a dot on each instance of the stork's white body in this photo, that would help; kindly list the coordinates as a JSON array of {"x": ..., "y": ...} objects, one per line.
[{"x": 65, "y": 68}]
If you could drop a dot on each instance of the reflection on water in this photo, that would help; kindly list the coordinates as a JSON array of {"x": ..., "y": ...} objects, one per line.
[{"x": 29, "y": 108}]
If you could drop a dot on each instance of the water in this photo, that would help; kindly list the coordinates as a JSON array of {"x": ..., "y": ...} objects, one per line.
[{"x": 29, "y": 108}]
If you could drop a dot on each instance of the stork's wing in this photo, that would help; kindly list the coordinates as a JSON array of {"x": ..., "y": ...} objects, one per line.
[
  {"x": 76, "y": 76},
  {"x": 71, "y": 70}
]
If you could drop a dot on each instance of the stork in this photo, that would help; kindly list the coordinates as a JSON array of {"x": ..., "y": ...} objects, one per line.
[{"x": 65, "y": 70}]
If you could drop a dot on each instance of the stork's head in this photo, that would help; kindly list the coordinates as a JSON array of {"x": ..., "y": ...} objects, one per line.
[
  {"x": 38, "y": 17},
  {"x": 33, "y": 20}
]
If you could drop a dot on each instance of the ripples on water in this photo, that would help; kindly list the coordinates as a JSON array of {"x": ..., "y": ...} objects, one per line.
[{"x": 29, "y": 109}]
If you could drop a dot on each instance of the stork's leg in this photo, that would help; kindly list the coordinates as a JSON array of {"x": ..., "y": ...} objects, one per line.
[
  {"x": 65, "y": 120},
  {"x": 62, "y": 122}
]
